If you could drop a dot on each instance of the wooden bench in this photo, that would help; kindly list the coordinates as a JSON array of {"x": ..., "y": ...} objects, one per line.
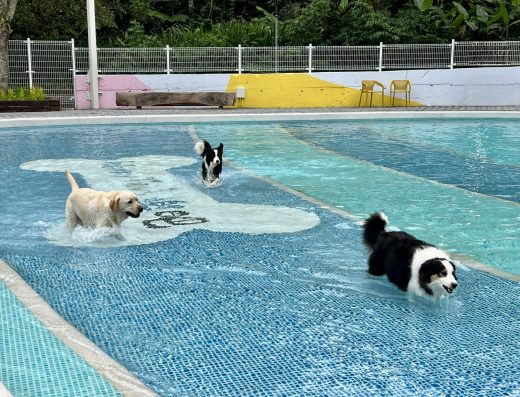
[{"x": 140, "y": 99}]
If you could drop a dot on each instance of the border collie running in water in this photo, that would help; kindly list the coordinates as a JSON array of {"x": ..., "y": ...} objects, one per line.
[
  {"x": 409, "y": 263},
  {"x": 211, "y": 161}
]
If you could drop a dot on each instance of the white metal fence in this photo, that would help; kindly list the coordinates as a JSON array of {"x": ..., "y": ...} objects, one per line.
[
  {"x": 46, "y": 64},
  {"x": 53, "y": 64}
]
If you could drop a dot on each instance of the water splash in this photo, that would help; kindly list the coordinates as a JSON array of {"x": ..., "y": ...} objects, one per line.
[{"x": 60, "y": 234}]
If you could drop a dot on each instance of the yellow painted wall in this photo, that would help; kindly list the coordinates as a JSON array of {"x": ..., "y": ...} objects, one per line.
[{"x": 299, "y": 90}]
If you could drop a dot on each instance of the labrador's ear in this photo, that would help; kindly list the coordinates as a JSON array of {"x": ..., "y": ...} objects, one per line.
[{"x": 114, "y": 203}]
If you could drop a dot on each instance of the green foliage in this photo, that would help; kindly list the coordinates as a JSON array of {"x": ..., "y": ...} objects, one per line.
[
  {"x": 135, "y": 36},
  {"x": 477, "y": 19},
  {"x": 152, "y": 23},
  {"x": 58, "y": 20},
  {"x": 309, "y": 24},
  {"x": 423, "y": 5},
  {"x": 253, "y": 34},
  {"x": 22, "y": 93},
  {"x": 198, "y": 37},
  {"x": 256, "y": 33}
]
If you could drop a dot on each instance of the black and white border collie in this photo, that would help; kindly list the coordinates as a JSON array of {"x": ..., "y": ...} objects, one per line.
[
  {"x": 211, "y": 161},
  {"x": 409, "y": 263}
]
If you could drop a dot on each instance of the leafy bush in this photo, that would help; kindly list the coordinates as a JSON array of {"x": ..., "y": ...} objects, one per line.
[
  {"x": 221, "y": 23},
  {"x": 22, "y": 93}
]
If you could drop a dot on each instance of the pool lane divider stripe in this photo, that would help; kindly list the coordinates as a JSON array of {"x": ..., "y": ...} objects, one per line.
[{"x": 118, "y": 376}]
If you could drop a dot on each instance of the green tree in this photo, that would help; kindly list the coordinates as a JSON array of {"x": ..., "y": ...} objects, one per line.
[
  {"x": 62, "y": 20},
  {"x": 475, "y": 19},
  {"x": 7, "y": 10}
]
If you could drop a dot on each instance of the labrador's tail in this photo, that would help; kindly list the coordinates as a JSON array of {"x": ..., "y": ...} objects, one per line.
[{"x": 72, "y": 181}]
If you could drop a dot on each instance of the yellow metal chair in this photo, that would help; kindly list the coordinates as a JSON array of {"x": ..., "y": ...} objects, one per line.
[
  {"x": 368, "y": 87},
  {"x": 400, "y": 86}
]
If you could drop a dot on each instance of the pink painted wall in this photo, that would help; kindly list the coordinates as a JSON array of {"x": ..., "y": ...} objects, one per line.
[{"x": 108, "y": 86}]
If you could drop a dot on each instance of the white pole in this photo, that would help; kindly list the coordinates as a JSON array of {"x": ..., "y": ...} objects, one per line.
[
  {"x": 92, "y": 55},
  {"x": 380, "y": 56},
  {"x": 240, "y": 59},
  {"x": 167, "y": 59},
  {"x": 276, "y": 35},
  {"x": 310, "y": 58},
  {"x": 73, "y": 49},
  {"x": 29, "y": 62},
  {"x": 452, "y": 57}
]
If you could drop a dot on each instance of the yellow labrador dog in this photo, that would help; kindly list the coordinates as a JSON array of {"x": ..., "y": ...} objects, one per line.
[{"x": 92, "y": 208}]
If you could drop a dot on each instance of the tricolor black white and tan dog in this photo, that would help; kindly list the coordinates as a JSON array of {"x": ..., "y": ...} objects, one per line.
[
  {"x": 211, "y": 161},
  {"x": 411, "y": 264}
]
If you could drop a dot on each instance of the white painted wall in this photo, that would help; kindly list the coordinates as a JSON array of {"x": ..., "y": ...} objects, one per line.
[{"x": 439, "y": 87}]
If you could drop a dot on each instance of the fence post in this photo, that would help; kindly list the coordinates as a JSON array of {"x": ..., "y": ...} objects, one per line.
[
  {"x": 168, "y": 59},
  {"x": 310, "y": 58},
  {"x": 239, "y": 59},
  {"x": 29, "y": 62},
  {"x": 73, "y": 53},
  {"x": 380, "y": 56},
  {"x": 452, "y": 57}
]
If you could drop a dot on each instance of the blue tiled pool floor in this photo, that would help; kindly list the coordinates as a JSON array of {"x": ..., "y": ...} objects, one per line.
[{"x": 221, "y": 310}]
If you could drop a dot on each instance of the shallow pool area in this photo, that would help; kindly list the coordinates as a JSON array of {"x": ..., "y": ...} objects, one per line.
[{"x": 258, "y": 287}]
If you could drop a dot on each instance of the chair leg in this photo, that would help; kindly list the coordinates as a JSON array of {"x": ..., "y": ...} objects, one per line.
[
  {"x": 383, "y": 99},
  {"x": 371, "y": 96},
  {"x": 360, "y": 96}
]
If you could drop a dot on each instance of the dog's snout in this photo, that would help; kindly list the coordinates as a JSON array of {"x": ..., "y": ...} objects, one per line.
[
  {"x": 453, "y": 285},
  {"x": 140, "y": 208}
]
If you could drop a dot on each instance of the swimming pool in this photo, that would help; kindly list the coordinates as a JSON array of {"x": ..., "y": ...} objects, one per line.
[{"x": 249, "y": 289}]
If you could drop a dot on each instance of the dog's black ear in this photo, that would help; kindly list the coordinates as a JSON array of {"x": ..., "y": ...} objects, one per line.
[
  {"x": 427, "y": 270},
  {"x": 431, "y": 267},
  {"x": 221, "y": 148}
]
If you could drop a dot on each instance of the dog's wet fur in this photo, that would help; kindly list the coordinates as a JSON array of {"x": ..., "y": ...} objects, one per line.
[
  {"x": 92, "y": 208},
  {"x": 211, "y": 161},
  {"x": 411, "y": 264}
]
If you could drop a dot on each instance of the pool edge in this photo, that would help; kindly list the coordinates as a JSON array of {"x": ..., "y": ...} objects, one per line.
[
  {"x": 78, "y": 119},
  {"x": 116, "y": 374}
]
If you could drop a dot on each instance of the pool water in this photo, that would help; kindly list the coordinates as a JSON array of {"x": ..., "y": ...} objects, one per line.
[
  {"x": 247, "y": 289},
  {"x": 456, "y": 184}
]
